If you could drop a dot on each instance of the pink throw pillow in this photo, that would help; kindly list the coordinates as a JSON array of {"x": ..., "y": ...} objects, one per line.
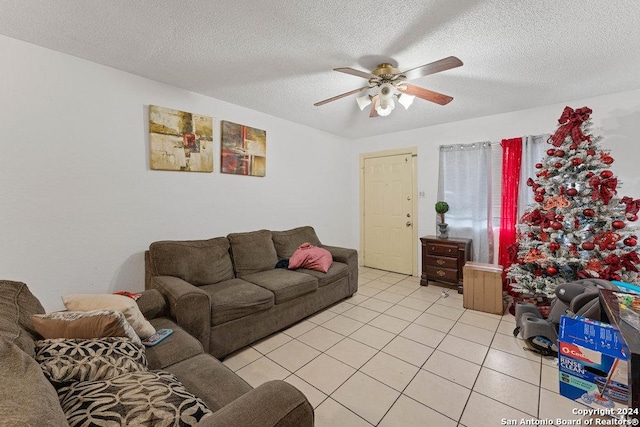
[{"x": 311, "y": 257}]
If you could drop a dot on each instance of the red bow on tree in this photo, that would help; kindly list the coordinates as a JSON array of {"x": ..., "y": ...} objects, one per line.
[
  {"x": 633, "y": 206},
  {"x": 629, "y": 261},
  {"x": 571, "y": 121},
  {"x": 603, "y": 188}
]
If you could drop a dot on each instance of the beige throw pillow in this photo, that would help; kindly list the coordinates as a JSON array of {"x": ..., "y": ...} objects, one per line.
[
  {"x": 83, "y": 325},
  {"x": 126, "y": 305}
]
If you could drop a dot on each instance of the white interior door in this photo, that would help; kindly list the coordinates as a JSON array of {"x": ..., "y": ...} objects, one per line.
[{"x": 388, "y": 213}]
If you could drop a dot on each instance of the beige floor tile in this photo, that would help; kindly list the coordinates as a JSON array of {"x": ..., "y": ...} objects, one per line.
[
  {"x": 506, "y": 328},
  {"x": 377, "y": 284},
  {"x": 299, "y": 328},
  {"x": 472, "y": 333},
  {"x": 549, "y": 378},
  {"x": 373, "y": 337},
  {"x": 390, "y": 279},
  {"x": 261, "y": 371},
  {"x": 423, "y": 335},
  {"x": 470, "y": 351},
  {"x": 389, "y": 323},
  {"x": 404, "y": 313},
  {"x": 458, "y": 370},
  {"x": 508, "y": 390},
  {"x": 325, "y": 373},
  {"x": 362, "y": 281},
  {"x": 293, "y": 355},
  {"x": 323, "y": 316},
  {"x": 444, "y": 311},
  {"x": 342, "y": 325},
  {"x": 484, "y": 313},
  {"x": 351, "y": 352},
  {"x": 401, "y": 290},
  {"x": 425, "y": 294},
  {"x": 389, "y": 297},
  {"x": 554, "y": 406},
  {"x": 356, "y": 299},
  {"x": 366, "y": 291},
  {"x": 415, "y": 303},
  {"x": 320, "y": 338},
  {"x": 479, "y": 320},
  {"x": 508, "y": 317},
  {"x": 390, "y": 370},
  {"x": 366, "y": 397},
  {"x": 313, "y": 395},
  {"x": 241, "y": 358},
  {"x": 451, "y": 302},
  {"x": 332, "y": 414},
  {"x": 376, "y": 305},
  {"x": 371, "y": 274},
  {"x": 361, "y": 314},
  {"x": 438, "y": 394},
  {"x": 271, "y": 342},
  {"x": 513, "y": 345},
  {"x": 482, "y": 411},
  {"x": 341, "y": 307},
  {"x": 518, "y": 367},
  {"x": 435, "y": 322},
  {"x": 550, "y": 361},
  {"x": 408, "y": 350},
  {"x": 407, "y": 412}
]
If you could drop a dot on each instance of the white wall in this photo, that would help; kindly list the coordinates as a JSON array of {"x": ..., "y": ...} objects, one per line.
[
  {"x": 615, "y": 117},
  {"x": 80, "y": 204}
]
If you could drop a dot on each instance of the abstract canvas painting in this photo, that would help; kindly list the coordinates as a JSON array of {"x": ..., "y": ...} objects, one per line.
[
  {"x": 180, "y": 141},
  {"x": 243, "y": 150}
]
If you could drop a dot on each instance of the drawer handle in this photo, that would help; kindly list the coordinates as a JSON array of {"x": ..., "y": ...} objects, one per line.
[
  {"x": 449, "y": 250},
  {"x": 441, "y": 273},
  {"x": 440, "y": 261}
]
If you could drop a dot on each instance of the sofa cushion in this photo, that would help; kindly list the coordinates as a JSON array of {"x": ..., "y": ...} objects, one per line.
[
  {"x": 17, "y": 305},
  {"x": 83, "y": 324},
  {"x": 337, "y": 271},
  {"x": 199, "y": 262},
  {"x": 26, "y": 397},
  {"x": 252, "y": 252},
  {"x": 236, "y": 298},
  {"x": 126, "y": 305},
  {"x": 68, "y": 360},
  {"x": 286, "y": 242},
  {"x": 285, "y": 284},
  {"x": 175, "y": 348},
  {"x": 140, "y": 398}
]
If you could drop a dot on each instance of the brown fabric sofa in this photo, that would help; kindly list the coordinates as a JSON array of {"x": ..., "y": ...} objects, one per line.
[
  {"x": 27, "y": 398},
  {"x": 228, "y": 293}
]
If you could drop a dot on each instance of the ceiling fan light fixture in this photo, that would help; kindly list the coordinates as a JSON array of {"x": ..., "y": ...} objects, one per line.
[
  {"x": 406, "y": 100},
  {"x": 385, "y": 106},
  {"x": 363, "y": 101}
]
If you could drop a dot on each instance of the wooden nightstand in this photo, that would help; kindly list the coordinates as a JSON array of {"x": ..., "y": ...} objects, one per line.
[{"x": 443, "y": 260}]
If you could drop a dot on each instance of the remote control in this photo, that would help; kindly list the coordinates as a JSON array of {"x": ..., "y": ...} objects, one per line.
[{"x": 157, "y": 337}]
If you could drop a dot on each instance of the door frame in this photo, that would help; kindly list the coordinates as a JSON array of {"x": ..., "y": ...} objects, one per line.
[{"x": 413, "y": 152}]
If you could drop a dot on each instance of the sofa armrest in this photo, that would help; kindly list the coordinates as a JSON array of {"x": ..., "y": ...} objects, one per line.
[
  {"x": 349, "y": 257},
  {"x": 152, "y": 304},
  {"x": 274, "y": 403},
  {"x": 189, "y": 306}
]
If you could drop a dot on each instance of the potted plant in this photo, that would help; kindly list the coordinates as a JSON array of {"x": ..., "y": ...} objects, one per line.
[{"x": 442, "y": 208}]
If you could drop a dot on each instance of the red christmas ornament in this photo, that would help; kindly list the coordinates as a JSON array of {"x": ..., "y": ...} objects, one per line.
[
  {"x": 538, "y": 198},
  {"x": 560, "y": 217},
  {"x": 588, "y": 246},
  {"x": 552, "y": 271},
  {"x": 538, "y": 165},
  {"x": 559, "y": 153},
  {"x": 554, "y": 246},
  {"x": 576, "y": 161},
  {"x": 550, "y": 152},
  {"x": 634, "y": 218},
  {"x": 611, "y": 246},
  {"x": 589, "y": 174},
  {"x": 573, "y": 147},
  {"x": 589, "y": 212},
  {"x": 606, "y": 174},
  {"x": 591, "y": 152},
  {"x": 556, "y": 225},
  {"x": 618, "y": 224},
  {"x": 630, "y": 241},
  {"x": 541, "y": 190},
  {"x": 572, "y": 192},
  {"x": 558, "y": 165}
]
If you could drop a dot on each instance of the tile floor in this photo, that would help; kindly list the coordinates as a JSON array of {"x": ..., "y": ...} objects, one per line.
[{"x": 398, "y": 354}]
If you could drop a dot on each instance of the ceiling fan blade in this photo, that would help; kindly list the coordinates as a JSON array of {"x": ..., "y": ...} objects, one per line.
[
  {"x": 317, "y": 104},
  {"x": 426, "y": 94},
  {"x": 432, "y": 68},
  {"x": 373, "y": 112},
  {"x": 354, "y": 72}
]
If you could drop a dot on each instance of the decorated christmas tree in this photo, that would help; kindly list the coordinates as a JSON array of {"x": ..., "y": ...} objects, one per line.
[{"x": 578, "y": 227}]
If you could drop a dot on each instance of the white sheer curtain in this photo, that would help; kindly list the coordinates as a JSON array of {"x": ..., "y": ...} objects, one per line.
[
  {"x": 533, "y": 151},
  {"x": 464, "y": 182}
]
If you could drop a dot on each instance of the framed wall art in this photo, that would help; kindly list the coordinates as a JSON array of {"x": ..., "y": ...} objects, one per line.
[
  {"x": 243, "y": 150},
  {"x": 180, "y": 141}
]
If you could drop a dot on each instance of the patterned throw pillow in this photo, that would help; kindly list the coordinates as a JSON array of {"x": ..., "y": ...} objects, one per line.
[
  {"x": 69, "y": 360},
  {"x": 141, "y": 398}
]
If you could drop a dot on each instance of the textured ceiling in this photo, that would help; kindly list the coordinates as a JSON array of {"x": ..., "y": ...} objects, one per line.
[{"x": 277, "y": 56}]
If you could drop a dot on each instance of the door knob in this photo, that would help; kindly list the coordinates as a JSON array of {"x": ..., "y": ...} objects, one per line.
[{"x": 408, "y": 224}]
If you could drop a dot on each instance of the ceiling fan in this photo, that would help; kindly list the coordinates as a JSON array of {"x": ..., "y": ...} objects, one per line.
[{"x": 391, "y": 83}]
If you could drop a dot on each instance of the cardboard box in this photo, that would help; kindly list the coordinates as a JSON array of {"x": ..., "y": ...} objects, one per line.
[
  {"x": 482, "y": 287},
  {"x": 592, "y": 360}
]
